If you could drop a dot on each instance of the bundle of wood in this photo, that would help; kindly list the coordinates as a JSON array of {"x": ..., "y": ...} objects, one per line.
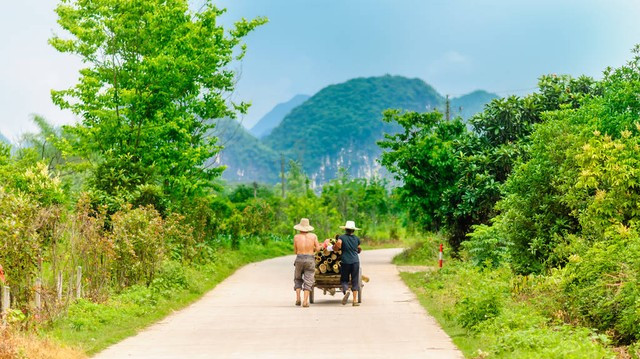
[{"x": 328, "y": 261}]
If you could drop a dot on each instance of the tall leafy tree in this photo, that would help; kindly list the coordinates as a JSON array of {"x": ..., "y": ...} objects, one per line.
[
  {"x": 156, "y": 73},
  {"x": 422, "y": 156},
  {"x": 452, "y": 178}
]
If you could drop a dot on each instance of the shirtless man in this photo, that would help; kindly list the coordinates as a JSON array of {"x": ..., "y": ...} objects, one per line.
[{"x": 304, "y": 245}]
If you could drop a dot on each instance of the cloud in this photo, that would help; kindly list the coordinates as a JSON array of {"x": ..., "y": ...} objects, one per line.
[{"x": 454, "y": 57}]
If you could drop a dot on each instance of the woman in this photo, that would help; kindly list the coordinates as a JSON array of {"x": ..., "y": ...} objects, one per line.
[{"x": 350, "y": 269}]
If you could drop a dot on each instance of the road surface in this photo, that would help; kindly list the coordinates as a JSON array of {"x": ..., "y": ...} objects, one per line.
[{"x": 252, "y": 315}]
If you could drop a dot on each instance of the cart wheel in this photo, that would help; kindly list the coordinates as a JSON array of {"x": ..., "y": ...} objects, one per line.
[{"x": 313, "y": 290}]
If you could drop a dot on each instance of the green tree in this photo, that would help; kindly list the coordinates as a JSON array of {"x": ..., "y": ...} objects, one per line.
[
  {"x": 156, "y": 74},
  {"x": 44, "y": 144},
  {"x": 577, "y": 177},
  {"x": 422, "y": 156},
  {"x": 454, "y": 182},
  {"x": 365, "y": 201}
]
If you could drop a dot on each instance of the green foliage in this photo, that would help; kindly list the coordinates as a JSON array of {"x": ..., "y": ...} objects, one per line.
[
  {"x": 137, "y": 239},
  {"x": 504, "y": 319},
  {"x": 521, "y": 333},
  {"x": 156, "y": 72},
  {"x": 30, "y": 200},
  {"x": 19, "y": 241},
  {"x": 452, "y": 180},
  {"x": 422, "y": 157},
  {"x": 601, "y": 286},
  {"x": 569, "y": 210},
  {"x": 422, "y": 252},
  {"x": 324, "y": 219},
  {"x": 365, "y": 201},
  {"x": 485, "y": 247},
  {"x": 46, "y": 143},
  {"x": 93, "y": 248},
  {"x": 578, "y": 178}
]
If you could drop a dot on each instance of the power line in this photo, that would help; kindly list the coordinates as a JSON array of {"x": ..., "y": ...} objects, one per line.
[{"x": 497, "y": 92}]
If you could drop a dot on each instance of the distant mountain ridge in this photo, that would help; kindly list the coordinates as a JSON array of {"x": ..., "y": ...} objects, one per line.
[
  {"x": 273, "y": 118},
  {"x": 468, "y": 105},
  {"x": 336, "y": 127},
  {"x": 246, "y": 158},
  {"x": 339, "y": 125},
  {"x": 4, "y": 139}
]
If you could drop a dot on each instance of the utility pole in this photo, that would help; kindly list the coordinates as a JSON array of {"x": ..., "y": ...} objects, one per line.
[
  {"x": 255, "y": 189},
  {"x": 282, "y": 172},
  {"x": 448, "y": 109}
]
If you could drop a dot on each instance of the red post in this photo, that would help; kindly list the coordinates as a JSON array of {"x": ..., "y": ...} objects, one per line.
[{"x": 440, "y": 257}]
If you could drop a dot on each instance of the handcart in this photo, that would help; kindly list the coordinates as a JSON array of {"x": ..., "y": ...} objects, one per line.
[{"x": 331, "y": 282}]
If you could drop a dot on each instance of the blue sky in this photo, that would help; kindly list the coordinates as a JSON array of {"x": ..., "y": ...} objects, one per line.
[{"x": 456, "y": 46}]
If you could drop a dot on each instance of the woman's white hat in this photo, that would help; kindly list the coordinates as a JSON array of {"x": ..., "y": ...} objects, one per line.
[
  {"x": 350, "y": 225},
  {"x": 303, "y": 226}
]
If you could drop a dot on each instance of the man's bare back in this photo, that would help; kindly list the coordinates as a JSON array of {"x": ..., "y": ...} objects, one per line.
[{"x": 305, "y": 243}]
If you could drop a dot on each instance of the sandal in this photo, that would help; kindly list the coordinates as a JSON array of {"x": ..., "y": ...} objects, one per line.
[
  {"x": 345, "y": 299},
  {"x": 306, "y": 305},
  {"x": 298, "y": 303}
]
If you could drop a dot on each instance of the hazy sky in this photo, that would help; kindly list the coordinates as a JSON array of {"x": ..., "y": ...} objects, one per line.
[{"x": 456, "y": 46}]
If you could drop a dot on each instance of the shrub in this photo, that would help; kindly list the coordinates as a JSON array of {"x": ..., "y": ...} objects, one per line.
[
  {"x": 420, "y": 253},
  {"x": 19, "y": 242},
  {"x": 485, "y": 247},
  {"x": 171, "y": 275},
  {"x": 139, "y": 245},
  {"x": 601, "y": 287},
  {"x": 93, "y": 248},
  {"x": 483, "y": 295},
  {"x": 180, "y": 238}
]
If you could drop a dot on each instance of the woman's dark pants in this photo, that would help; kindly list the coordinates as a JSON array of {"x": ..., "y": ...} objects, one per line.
[{"x": 350, "y": 271}]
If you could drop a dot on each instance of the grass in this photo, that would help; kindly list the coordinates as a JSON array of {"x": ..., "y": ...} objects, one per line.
[
  {"x": 14, "y": 344},
  {"x": 421, "y": 251},
  {"x": 436, "y": 306},
  {"x": 382, "y": 238},
  {"x": 481, "y": 311},
  {"x": 92, "y": 327}
]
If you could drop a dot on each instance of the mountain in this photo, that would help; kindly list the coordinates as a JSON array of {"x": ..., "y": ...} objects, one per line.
[
  {"x": 246, "y": 158},
  {"x": 272, "y": 119},
  {"x": 471, "y": 103},
  {"x": 4, "y": 139},
  {"x": 339, "y": 125}
]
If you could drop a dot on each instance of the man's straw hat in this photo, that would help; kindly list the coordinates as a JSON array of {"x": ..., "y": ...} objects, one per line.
[
  {"x": 303, "y": 226},
  {"x": 350, "y": 225}
]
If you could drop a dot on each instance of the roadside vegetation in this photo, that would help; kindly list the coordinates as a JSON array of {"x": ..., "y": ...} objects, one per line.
[
  {"x": 538, "y": 202},
  {"x": 112, "y": 223}
]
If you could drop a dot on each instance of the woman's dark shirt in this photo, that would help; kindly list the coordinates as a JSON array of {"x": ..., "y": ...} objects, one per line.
[{"x": 349, "y": 248}]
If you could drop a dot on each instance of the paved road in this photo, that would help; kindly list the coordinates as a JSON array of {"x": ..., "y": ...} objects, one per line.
[{"x": 252, "y": 315}]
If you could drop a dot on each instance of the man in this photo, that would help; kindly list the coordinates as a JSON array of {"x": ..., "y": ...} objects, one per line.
[
  {"x": 304, "y": 244},
  {"x": 350, "y": 269}
]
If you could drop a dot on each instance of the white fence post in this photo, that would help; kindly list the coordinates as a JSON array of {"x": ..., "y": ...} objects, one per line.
[
  {"x": 6, "y": 302},
  {"x": 38, "y": 293},
  {"x": 59, "y": 286},
  {"x": 79, "y": 282}
]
